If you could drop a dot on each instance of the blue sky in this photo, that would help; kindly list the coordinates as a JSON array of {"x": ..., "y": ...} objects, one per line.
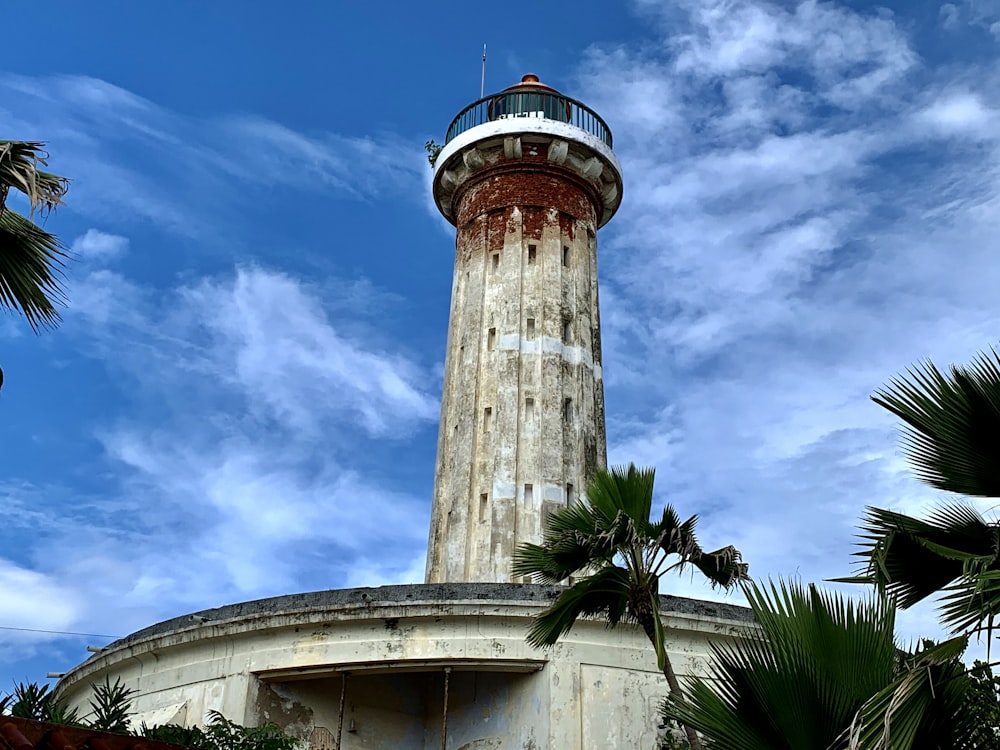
[{"x": 242, "y": 400}]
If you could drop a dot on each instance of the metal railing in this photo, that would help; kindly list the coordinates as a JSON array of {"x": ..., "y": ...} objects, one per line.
[{"x": 522, "y": 103}]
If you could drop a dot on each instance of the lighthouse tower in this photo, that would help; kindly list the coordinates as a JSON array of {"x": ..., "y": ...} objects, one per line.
[{"x": 527, "y": 176}]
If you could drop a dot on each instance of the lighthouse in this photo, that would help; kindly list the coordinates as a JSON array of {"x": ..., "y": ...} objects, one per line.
[{"x": 527, "y": 176}]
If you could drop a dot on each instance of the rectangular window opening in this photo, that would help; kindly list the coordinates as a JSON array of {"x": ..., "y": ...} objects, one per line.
[
  {"x": 567, "y": 332},
  {"x": 568, "y": 409},
  {"x": 496, "y": 261},
  {"x": 532, "y": 254},
  {"x": 570, "y": 495},
  {"x": 566, "y": 255},
  {"x": 483, "y": 501},
  {"x": 529, "y": 328},
  {"x": 529, "y": 408},
  {"x": 529, "y": 493},
  {"x": 487, "y": 419},
  {"x": 491, "y": 339}
]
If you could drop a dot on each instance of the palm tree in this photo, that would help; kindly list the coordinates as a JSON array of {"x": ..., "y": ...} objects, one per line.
[
  {"x": 821, "y": 672},
  {"x": 30, "y": 258},
  {"x": 617, "y": 554}
]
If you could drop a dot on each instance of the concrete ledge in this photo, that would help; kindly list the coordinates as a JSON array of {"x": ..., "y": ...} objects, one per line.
[{"x": 423, "y": 593}]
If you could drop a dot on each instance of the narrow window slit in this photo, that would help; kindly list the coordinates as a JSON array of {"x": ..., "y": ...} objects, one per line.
[
  {"x": 567, "y": 331},
  {"x": 491, "y": 339},
  {"x": 529, "y": 408},
  {"x": 529, "y": 493},
  {"x": 532, "y": 254},
  {"x": 496, "y": 261},
  {"x": 483, "y": 501},
  {"x": 487, "y": 419},
  {"x": 529, "y": 328},
  {"x": 568, "y": 409},
  {"x": 566, "y": 255},
  {"x": 570, "y": 496}
]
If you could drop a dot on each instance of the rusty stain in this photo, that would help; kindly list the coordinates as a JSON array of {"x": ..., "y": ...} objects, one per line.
[{"x": 540, "y": 186}]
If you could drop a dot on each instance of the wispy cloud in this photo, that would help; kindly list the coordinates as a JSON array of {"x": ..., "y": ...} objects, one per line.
[
  {"x": 234, "y": 475},
  {"x": 194, "y": 170},
  {"x": 808, "y": 210},
  {"x": 981, "y": 14}
]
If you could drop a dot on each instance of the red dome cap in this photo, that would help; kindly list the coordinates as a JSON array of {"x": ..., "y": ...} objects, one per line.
[{"x": 530, "y": 81}]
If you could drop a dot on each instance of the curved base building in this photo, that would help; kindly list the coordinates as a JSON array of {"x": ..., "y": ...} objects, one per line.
[{"x": 396, "y": 666}]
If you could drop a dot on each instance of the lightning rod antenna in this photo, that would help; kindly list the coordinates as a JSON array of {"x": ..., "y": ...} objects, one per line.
[{"x": 482, "y": 81}]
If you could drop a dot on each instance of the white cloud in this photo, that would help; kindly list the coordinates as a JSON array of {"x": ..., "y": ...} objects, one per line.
[
  {"x": 98, "y": 246},
  {"x": 292, "y": 363},
  {"x": 256, "y": 516},
  {"x": 33, "y": 600},
  {"x": 851, "y": 56},
  {"x": 961, "y": 113}
]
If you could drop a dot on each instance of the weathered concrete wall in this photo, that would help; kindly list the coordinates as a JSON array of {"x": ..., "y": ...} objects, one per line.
[
  {"x": 282, "y": 660},
  {"x": 522, "y": 416}
]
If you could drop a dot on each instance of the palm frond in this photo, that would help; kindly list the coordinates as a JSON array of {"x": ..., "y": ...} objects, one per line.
[
  {"x": 606, "y": 592},
  {"x": 972, "y": 601},
  {"x": 912, "y": 559},
  {"x": 31, "y": 262},
  {"x": 724, "y": 567},
  {"x": 798, "y": 681},
  {"x": 538, "y": 562},
  {"x": 573, "y": 541},
  {"x": 952, "y": 437},
  {"x": 923, "y": 707},
  {"x": 673, "y": 536},
  {"x": 19, "y": 162},
  {"x": 622, "y": 489}
]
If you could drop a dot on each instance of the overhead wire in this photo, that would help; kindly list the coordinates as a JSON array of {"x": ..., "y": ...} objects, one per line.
[{"x": 57, "y": 632}]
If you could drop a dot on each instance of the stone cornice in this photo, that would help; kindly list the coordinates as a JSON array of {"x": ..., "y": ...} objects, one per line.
[{"x": 528, "y": 141}]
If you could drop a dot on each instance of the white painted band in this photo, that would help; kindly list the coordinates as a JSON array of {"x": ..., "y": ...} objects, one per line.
[{"x": 573, "y": 355}]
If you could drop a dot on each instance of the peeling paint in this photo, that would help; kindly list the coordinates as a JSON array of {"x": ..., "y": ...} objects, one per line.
[{"x": 279, "y": 704}]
